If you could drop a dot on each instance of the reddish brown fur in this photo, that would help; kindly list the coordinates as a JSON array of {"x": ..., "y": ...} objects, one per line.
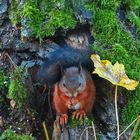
[{"x": 86, "y": 98}]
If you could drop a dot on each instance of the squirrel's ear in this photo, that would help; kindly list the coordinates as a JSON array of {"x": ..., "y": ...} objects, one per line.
[{"x": 80, "y": 68}]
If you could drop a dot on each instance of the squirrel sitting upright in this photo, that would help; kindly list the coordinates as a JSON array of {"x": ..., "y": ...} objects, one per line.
[
  {"x": 68, "y": 67},
  {"x": 75, "y": 91}
]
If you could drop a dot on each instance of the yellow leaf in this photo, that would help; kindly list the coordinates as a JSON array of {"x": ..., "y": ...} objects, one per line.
[{"x": 113, "y": 73}]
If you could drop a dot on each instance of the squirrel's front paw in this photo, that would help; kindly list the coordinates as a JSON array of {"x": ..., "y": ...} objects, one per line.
[
  {"x": 68, "y": 104},
  {"x": 79, "y": 114},
  {"x": 63, "y": 119}
]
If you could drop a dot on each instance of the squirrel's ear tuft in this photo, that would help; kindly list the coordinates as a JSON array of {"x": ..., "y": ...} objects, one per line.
[{"x": 80, "y": 68}]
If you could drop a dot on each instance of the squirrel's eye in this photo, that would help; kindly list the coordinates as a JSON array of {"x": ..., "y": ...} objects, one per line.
[
  {"x": 80, "y": 84},
  {"x": 64, "y": 84}
]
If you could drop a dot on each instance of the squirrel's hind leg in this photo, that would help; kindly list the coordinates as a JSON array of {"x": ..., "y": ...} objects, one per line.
[
  {"x": 63, "y": 119},
  {"x": 62, "y": 113}
]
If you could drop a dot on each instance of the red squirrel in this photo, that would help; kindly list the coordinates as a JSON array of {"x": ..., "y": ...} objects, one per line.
[{"x": 75, "y": 91}]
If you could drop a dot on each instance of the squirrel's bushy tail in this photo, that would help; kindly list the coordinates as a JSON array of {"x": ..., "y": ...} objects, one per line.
[{"x": 76, "y": 50}]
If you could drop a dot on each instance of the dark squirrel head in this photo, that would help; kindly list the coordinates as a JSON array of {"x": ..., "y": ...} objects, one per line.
[{"x": 73, "y": 81}]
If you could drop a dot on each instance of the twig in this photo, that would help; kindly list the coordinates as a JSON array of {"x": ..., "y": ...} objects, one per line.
[
  {"x": 135, "y": 127},
  {"x": 84, "y": 131},
  {"x": 11, "y": 61},
  {"x": 45, "y": 130},
  {"x": 128, "y": 127},
  {"x": 94, "y": 132},
  {"x": 14, "y": 65},
  {"x": 116, "y": 111}
]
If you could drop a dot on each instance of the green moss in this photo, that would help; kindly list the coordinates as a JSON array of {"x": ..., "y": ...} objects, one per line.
[
  {"x": 73, "y": 122},
  {"x": 107, "y": 4},
  {"x": 132, "y": 4},
  {"x": 4, "y": 83},
  {"x": 108, "y": 31},
  {"x": 44, "y": 17},
  {"x": 135, "y": 21},
  {"x": 133, "y": 14},
  {"x": 14, "y": 14},
  {"x": 3, "y": 79},
  {"x": 17, "y": 90},
  {"x": 115, "y": 43},
  {"x": 11, "y": 135}
]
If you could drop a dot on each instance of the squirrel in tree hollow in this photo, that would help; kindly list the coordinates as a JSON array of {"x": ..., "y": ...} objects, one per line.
[
  {"x": 68, "y": 67},
  {"x": 75, "y": 91}
]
